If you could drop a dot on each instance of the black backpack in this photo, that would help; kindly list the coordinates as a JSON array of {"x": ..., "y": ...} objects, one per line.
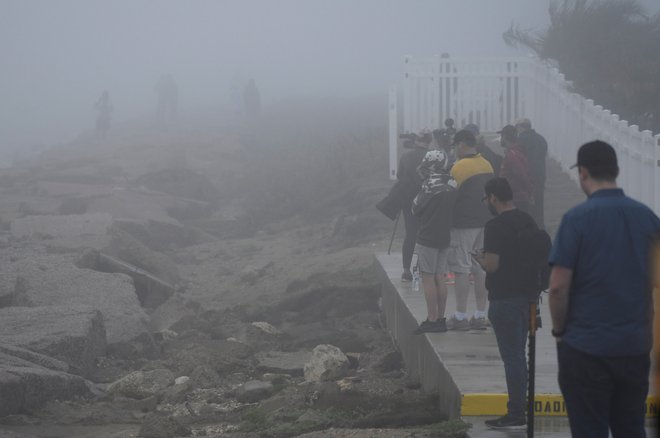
[{"x": 533, "y": 248}]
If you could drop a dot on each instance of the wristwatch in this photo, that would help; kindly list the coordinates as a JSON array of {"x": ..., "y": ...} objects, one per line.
[{"x": 558, "y": 334}]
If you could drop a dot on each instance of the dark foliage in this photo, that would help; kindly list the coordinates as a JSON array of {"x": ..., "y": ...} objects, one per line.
[{"x": 609, "y": 49}]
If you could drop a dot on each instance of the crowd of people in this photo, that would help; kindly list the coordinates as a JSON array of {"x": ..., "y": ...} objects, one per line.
[
  {"x": 477, "y": 215},
  {"x": 446, "y": 232}
]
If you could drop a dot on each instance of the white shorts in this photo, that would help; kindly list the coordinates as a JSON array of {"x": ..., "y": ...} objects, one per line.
[
  {"x": 431, "y": 260},
  {"x": 463, "y": 241}
]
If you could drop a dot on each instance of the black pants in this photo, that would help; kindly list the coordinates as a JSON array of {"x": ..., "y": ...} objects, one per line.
[
  {"x": 411, "y": 224},
  {"x": 603, "y": 392}
]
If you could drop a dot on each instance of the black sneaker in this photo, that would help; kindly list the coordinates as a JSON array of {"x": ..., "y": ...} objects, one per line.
[
  {"x": 406, "y": 277},
  {"x": 507, "y": 422},
  {"x": 438, "y": 326}
]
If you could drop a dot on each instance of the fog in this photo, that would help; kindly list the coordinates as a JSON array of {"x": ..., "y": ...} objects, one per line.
[{"x": 58, "y": 56}]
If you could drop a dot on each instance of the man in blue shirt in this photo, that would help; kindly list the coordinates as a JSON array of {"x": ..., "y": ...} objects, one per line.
[{"x": 601, "y": 301}]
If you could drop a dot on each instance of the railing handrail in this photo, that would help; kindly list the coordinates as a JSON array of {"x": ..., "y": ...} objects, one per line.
[{"x": 499, "y": 90}]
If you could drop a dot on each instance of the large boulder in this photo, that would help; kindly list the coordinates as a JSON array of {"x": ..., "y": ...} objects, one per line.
[
  {"x": 180, "y": 182},
  {"x": 27, "y": 386},
  {"x": 126, "y": 247},
  {"x": 54, "y": 280},
  {"x": 159, "y": 426},
  {"x": 253, "y": 391},
  {"x": 7, "y": 288},
  {"x": 61, "y": 225},
  {"x": 74, "y": 335},
  {"x": 142, "y": 384},
  {"x": 292, "y": 363},
  {"x": 12, "y": 353},
  {"x": 28, "y": 380},
  {"x": 327, "y": 363}
]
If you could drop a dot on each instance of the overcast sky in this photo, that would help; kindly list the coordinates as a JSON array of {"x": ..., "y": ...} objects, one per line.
[{"x": 57, "y": 56}]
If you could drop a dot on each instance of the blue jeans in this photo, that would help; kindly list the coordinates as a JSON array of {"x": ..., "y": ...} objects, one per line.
[
  {"x": 603, "y": 392},
  {"x": 510, "y": 320}
]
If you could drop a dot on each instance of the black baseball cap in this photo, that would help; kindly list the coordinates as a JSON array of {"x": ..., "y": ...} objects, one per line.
[
  {"x": 597, "y": 155},
  {"x": 465, "y": 136}
]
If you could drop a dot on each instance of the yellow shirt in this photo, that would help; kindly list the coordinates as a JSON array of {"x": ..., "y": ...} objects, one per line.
[{"x": 466, "y": 168}]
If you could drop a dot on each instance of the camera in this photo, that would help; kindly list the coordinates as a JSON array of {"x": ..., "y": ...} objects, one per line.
[{"x": 408, "y": 136}]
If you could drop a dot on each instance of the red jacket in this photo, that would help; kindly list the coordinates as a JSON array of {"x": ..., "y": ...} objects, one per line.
[{"x": 515, "y": 168}]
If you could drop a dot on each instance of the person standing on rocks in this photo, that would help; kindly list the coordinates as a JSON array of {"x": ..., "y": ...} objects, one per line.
[
  {"x": 408, "y": 175},
  {"x": 251, "y": 100},
  {"x": 601, "y": 301},
  {"x": 536, "y": 149},
  {"x": 168, "y": 99},
  {"x": 104, "y": 117},
  {"x": 470, "y": 215},
  {"x": 433, "y": 205}
]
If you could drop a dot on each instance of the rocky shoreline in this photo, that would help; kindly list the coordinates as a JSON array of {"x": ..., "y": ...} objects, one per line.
[{"x": 143, "y": 295}]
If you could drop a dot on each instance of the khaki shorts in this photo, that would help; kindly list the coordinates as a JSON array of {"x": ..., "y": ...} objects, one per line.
[
  {"x": 463, "y": 242},
  {"x": 431, "y": 260}
]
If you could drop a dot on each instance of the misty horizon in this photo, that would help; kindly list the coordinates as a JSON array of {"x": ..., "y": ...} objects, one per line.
[{"x": 60, "y": 56}]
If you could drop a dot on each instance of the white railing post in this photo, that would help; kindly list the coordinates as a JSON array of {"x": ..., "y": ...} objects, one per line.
[
  {"x": 624, "y": 156},
  {"x": 648, "y": 190},
  {"x": 394, "y": 132}
]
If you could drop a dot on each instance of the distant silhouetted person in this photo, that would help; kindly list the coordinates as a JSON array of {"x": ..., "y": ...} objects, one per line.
[
  {"x": 104, "y": 117},
  {"x": 168, "y": 98},
  {"x": 251, "y": 99}
]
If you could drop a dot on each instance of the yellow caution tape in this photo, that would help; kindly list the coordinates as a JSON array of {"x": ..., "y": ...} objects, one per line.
[{"x": 545, "y": 405}]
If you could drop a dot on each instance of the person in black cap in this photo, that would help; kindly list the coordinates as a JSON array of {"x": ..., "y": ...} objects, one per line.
[
  {"x": 601, "y": 301},
  {"x": 493, "y": 158},
  {"x": 471, "y": 172}
]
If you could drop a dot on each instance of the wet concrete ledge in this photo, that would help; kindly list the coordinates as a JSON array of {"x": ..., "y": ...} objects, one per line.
[{"x": 419, "y": 355}]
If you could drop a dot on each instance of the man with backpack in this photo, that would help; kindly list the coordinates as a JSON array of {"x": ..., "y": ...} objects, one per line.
[{"x": 514, "y": 249}]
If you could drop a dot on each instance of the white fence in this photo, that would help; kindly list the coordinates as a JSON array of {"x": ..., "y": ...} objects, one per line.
[{"x": 495, "y": 92}]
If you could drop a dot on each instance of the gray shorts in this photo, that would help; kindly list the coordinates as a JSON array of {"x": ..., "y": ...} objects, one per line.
[
  {"x": 431, "y": 260},
  {"x": 463, "y": 242}
]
